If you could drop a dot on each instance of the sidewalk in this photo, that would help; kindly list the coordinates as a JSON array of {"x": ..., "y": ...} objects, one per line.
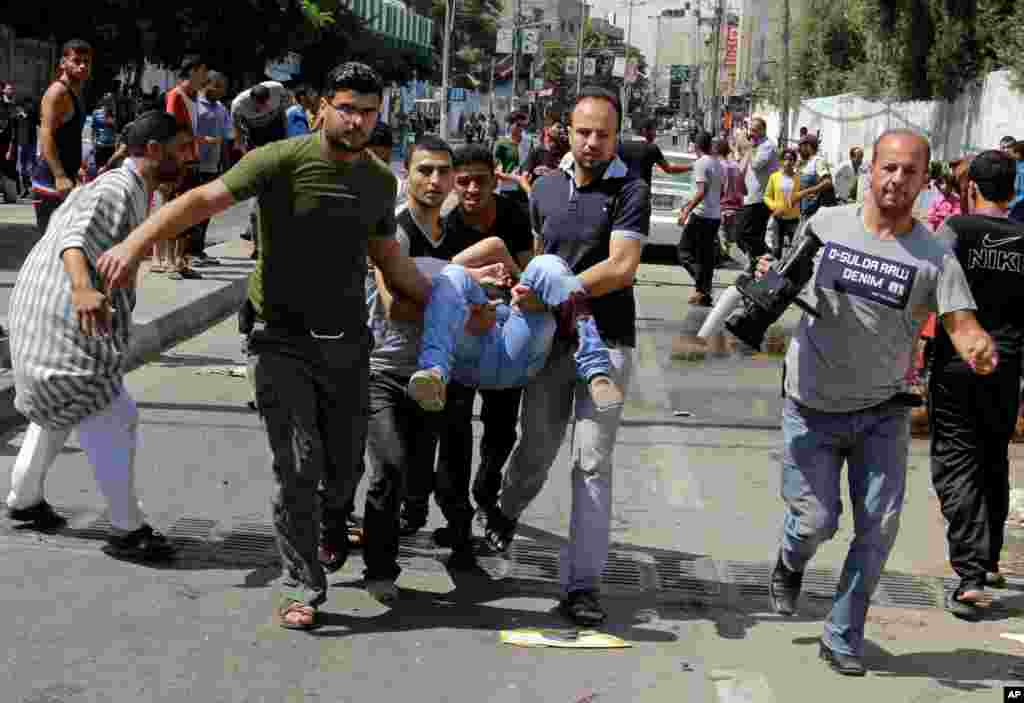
[{"x": 166, "y": 311}]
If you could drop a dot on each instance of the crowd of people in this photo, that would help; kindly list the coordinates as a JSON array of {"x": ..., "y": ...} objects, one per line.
[{"x": 509, "y": 272}]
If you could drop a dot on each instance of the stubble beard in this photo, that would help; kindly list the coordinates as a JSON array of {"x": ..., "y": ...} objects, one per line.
[{"x": 344, "y": 145}]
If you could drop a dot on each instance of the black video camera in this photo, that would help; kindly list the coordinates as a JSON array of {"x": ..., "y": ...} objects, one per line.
[{"x": 765, "y": 299}]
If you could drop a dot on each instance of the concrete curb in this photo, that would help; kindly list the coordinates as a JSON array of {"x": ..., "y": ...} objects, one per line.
[{"x": 164, "y": 330}]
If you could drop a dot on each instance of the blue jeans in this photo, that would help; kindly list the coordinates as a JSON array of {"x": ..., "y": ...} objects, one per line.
[
  {"x": 874, "y": 443},
  {"x": 517, "y": 348}
]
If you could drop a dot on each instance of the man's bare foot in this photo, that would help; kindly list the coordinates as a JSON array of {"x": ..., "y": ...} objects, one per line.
[
  {"x": 605, "y": 393},
  {"x": 427, "y": 388}
]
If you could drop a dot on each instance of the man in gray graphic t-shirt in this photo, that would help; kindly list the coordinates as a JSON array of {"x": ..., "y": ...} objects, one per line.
[{"x": 877, "y": 276}]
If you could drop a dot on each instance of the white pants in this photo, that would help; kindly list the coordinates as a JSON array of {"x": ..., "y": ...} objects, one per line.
[{"x": 109, "y": 439}]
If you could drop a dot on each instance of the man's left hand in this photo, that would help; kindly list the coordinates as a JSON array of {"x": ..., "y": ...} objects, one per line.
[
  {"x": 683, "y": 216},
  {"x": 526, "y": 300},
  {"x": 117, "y": 265},
  {"x": 980, "y": 354}
]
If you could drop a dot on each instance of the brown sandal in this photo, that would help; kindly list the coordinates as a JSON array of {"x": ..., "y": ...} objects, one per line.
[{"x": 306, "y": 616}]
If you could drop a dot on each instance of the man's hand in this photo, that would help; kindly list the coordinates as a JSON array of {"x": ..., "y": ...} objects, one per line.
[
  {"x": 980, "y": 353},
  {"x": 684, "y": 215},
  {"x": 118, "y": 264},
  {"x": 526, "y": 300},
  {"x": 764, "y": 265},
  {"x": 63, "y": 185},
  {"x": 93, "y": 310},
  {"x": 542, "y": 171},
  {"x": 971, "y": 341},
  {"x": 482, "y": 319},
  {"x": 495, "y": 272}
]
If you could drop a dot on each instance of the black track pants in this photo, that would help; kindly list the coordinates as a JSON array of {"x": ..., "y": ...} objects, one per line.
[{"x": 972, "y": 420}]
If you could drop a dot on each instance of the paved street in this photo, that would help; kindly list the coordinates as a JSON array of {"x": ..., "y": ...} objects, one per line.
[{"x": 696, "y": 517}]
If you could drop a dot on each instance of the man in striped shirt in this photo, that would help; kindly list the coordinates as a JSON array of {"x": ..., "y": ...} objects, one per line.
[{"x": 70, "y": 335}]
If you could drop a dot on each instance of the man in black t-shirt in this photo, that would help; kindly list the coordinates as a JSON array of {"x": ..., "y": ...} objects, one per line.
[
  {"x": 973, "y": 417},
  {"x": 482, "y": 213},
  {"x": 478, "y": 214},
  {"x": 641, "y": 156}
]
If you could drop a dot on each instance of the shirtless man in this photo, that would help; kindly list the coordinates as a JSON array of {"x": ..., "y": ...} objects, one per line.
[{"x": 60, "y": 132}]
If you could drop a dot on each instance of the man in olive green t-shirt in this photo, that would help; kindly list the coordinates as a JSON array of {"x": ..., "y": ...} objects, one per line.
[{"x": 325, "y": 205}]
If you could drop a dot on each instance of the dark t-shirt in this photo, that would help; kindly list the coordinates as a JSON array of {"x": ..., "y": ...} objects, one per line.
[
  {"x": 991, "y": 253},
  {"x": 578, "y": 225},
  {"x": 641, "y": 158},
  {"x": 511, "y": 225}
]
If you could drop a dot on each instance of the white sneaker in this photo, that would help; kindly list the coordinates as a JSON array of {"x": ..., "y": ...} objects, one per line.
[
  {"x": 427, "y": 388},
  {"x": 382, "y": 590}
]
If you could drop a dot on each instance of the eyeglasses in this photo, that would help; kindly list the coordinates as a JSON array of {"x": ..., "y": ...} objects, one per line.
[{"x": 349, "y": 110}]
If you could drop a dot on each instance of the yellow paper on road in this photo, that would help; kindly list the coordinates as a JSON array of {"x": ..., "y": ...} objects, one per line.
[{"x": 567, "y": 639}]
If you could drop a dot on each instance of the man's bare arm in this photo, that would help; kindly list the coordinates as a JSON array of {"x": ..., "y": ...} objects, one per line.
[
  {"x": 485, "y": 252},
  {"x": 675, "y": 168},
  {"x": 616, "y": 272},
  {"x": 398, "y": 271},
  {"x": 198, "y": 204},
  {"x": 54, "y": 104},
  {"x": 971, "y": 341}
]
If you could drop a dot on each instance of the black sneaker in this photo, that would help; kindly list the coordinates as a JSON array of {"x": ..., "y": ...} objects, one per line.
[
  {"x": 845, "y": 664},
  {"x": 583, "y": 608},
  {"x": 784, "y": 588},
  {"x": 500, "y": 532},
  {"x": 144, "y": 544},
  {"x": 41, "y": 515}
]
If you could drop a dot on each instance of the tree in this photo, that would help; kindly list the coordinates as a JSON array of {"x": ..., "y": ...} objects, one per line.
[{"x": 906, "y": 49}]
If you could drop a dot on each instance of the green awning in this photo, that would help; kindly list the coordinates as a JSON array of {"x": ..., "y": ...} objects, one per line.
[{"x": 395, "y": 21}]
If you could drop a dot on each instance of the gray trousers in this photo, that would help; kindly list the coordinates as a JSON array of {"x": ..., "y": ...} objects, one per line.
[
  {"x": 312, "y": 396},
  {"x": 553, "y": 397}
]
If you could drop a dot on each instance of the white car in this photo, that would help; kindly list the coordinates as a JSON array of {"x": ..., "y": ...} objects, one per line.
[{"x": 670, "y": 192}]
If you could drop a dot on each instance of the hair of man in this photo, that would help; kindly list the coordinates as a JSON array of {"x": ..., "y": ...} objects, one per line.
[
  {"x": 217, "y": 77},
  {"x": 902, "y": 132},
  {"x": 356, "y": 77},
  {"x": 428, "y": 143},
  {"x": 473, "y": 154},
  {"x": 596, "y": 92},
  {"x": 721, "y": 148},
  {"x": 76, "y": 46},
  {"x": 152, "y": 126},
  {"x": 994, "y": 173},
  {"x": 188, "y": 64}
]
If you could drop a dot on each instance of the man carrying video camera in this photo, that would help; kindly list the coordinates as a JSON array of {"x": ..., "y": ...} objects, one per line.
[{"x": 876, "y": 277}]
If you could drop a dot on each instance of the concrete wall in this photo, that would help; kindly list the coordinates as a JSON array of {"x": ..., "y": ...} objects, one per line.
[
  {"x": 976, "y": 121},
  {"x": 29, "y": 63}
]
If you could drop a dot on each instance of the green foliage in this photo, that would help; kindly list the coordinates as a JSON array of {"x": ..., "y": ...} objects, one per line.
[{"x": 905, "y": 49}]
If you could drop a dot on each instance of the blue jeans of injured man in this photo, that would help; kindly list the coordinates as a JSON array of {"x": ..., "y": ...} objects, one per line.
[
  {"x": 518, "y": 346},
  {"x": 874, "y": 443}
]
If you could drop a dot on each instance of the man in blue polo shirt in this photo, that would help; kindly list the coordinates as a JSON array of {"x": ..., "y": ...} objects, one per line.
[{"x": 596, "y": 217}]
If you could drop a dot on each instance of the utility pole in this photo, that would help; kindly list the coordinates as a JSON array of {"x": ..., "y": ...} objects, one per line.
[
  {"x": 449, "y": 24},
  {"x": 494, "y": 61},
  {"x": 624, "y": 99},
  {"x": 719, "y": 18},
  {"x": 514, "y": 98},
  {"x": 579, "y": 46},
  {"x": 784, "y": 126},
  {"x": 695, "y": 67}
]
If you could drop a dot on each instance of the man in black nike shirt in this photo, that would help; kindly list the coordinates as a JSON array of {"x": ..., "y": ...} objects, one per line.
[{"x": 973, "y": 417}]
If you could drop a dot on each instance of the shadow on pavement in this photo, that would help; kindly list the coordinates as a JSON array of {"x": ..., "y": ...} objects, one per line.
[
  {"x": 466, "y": 608},
  {"x": 960, "y": 669}
]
